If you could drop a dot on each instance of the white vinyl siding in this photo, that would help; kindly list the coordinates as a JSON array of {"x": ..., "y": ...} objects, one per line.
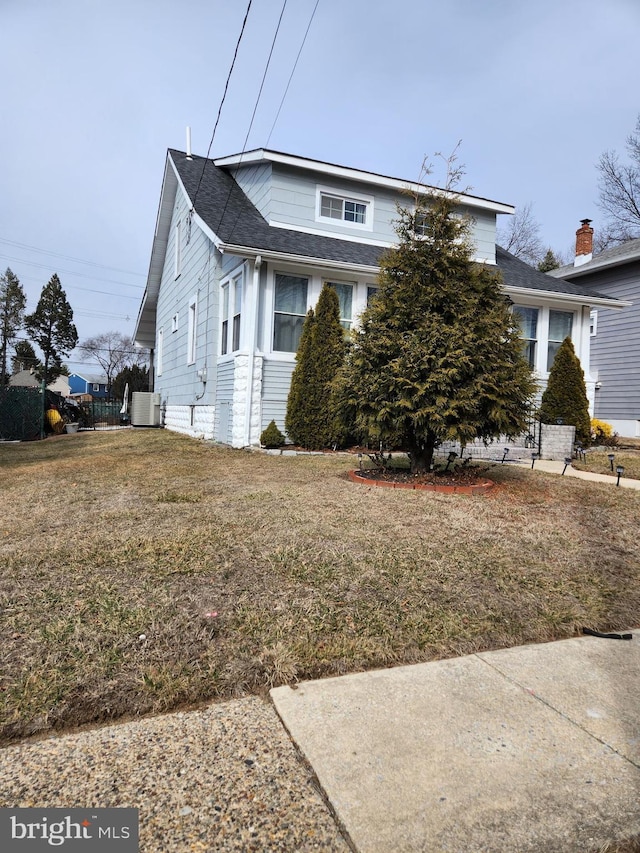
[{"x": 159, "y": 352}]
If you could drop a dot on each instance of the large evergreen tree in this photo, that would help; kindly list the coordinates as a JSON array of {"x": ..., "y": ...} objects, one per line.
[
  {"x": 135, "y": 376},
  {"x": 12, "y": 305},
  {"x": 565, "y": 397},
  {"x": 51, "y": 327},
  {"x": 310, "y": 418},
  {"x": 24, "y": 357},
  {"x": 438, "y": 355}
]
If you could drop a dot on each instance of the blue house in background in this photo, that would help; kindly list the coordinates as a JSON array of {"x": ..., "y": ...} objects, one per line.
[{"x": 88, "y": 384}]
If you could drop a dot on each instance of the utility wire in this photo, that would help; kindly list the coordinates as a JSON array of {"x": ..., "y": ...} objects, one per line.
[
  {"x": 69, "y": 258},
  {"x": 72, "y": 272},
  {"x": 224, "y": 95},
  {"x": 244, "y": 145},
  {"x": 295, "y": 65}
]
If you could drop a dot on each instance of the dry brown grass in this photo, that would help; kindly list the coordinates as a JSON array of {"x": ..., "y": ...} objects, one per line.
[
  {"x": 118, "y": 549},
  {"x": 598, "y": 461}
]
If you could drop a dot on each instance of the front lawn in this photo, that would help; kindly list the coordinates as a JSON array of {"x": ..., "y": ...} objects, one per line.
[
  {"x": 598, "y": 461},
  {"x": 143, "y": 571}
]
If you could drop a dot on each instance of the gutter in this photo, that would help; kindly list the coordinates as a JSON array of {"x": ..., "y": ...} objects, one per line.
[
  {"x": 252, "y": 348},
  {"x": 583, "y": 299}
]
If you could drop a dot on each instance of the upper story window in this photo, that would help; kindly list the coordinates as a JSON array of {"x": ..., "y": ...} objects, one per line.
[
  {"x": 528, "y": 319},
  {"x": 420, "y": 222},
  {"x": 560, "y": 326},
  {"x": 355, "y": 211},
  {"x": 290, "y": 309},
  {"x": 345, "y": 297}
]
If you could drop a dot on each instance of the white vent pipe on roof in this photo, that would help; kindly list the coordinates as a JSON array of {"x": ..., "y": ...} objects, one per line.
[{"x": 189, "y": 143}]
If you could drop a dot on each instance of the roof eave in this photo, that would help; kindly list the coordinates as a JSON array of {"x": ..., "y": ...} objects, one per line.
[
  {"x": 583, "y": 299},
  {"x": 259, "y": 155}
]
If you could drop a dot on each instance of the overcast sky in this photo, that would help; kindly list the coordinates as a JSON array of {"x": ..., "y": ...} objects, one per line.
[{"x": 94, "y": 92}]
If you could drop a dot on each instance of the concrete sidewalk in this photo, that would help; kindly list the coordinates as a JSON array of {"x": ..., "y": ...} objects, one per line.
[
  {"x": 552, "y": 467},
  {"x": 528, "y": 749}
]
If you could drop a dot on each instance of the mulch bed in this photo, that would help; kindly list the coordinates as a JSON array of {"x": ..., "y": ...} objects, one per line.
[{"x": 467, "y": 481}]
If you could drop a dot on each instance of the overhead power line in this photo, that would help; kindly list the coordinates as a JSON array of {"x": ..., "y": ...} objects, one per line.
[
  {"x": 293, "y": 70},
  {"x": 73, "y": 272},
  {"x": 224, "y": 95},
  {"x": 68, "y": 257}
]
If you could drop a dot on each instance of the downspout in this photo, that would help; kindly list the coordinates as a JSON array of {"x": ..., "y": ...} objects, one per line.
[{"x": 253, "y": 341}]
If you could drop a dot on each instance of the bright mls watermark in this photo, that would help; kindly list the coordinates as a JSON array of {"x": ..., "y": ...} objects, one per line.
[{"x": 79, "y": 830}]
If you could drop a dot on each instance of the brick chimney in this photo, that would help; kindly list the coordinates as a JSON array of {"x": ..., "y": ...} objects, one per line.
[{"x": 584, "y": 243}]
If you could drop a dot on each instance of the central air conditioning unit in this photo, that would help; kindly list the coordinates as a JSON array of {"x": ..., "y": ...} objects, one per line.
[{"x": 145, "y": 409}]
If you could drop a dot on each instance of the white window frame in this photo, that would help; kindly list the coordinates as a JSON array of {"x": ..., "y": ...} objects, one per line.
[
  {"x": 96, "y": 386},
  {"x": 159, "y": 351},
  {"x": 345, "y": 322},
  {"x": 554, "y": 341},
  {"x": 295, "y": 273},
  {"x": 344, "y": 197},
  {"x": 230, "y": 318},
  {"x": 535, "y": 341},
  {"x": 177, "y": 254},
  {"x": 192, "y": 330}
]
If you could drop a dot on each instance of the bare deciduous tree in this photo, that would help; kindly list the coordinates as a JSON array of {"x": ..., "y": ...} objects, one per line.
[
  {"x": 113, "y": 351},
  {"x": 619, "y": 188},
  {"x": 521, "y": 236}
]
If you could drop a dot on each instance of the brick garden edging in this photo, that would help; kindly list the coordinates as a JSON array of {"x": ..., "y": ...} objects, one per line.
[{"x": 476, "y": 489}]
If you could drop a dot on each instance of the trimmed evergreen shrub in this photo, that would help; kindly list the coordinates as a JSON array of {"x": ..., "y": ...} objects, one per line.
[
  {"x": 310, "y": 420},
  {"x": 271, "y": 436},
  {"x": 565, "y": 397}
]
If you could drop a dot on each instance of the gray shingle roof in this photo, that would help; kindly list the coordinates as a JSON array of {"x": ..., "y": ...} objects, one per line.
[
  {"x": 629, "y": 251},
  {"x": 233, "y": 218}
]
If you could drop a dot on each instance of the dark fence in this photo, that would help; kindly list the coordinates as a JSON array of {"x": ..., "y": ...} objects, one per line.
[
  {"x": 21, "y": 413},
  {"x": 101, "y": 415}
]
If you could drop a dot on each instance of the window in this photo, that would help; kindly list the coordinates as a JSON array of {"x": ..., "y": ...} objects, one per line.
[
  {"x": 96, "y": 386},
  {"x": 174, "y": 323},
  {"x": 192, "y": 331},
  {"x": 231, "y": 313},
  {"x": 290, "y": 308},
  {"x": 237, "y": 311},
  {"x": 224, "y": 335},
  {"x": 528, "y": 319},
  {"x": 159, "y": 349},
  {"x": 353, "y": 210},
  {"x": 371, "y": 292},
  {"x": 593, "y": 323},
  {"x": 560, "y": 325},
  {"x": 345, "y": 297},
  {"x": 420, "y": 223},
  {"x": 178, "y": 249}
]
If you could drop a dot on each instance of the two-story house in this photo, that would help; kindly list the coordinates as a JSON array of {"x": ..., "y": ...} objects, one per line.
[
  {"x": 242, "y": 247},
  {"x": 88, "y": 384}
]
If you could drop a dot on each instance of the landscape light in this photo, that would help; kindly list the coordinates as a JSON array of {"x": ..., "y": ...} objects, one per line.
[
  {"x": 506, "y": 451},
  {"x": 534, "y": 456},
  {"x": 611, "y": 457},
  {"x": 567, "y": 462},
  {"x": 619, "y": 472},
  {"x": 450, "y": 458}
]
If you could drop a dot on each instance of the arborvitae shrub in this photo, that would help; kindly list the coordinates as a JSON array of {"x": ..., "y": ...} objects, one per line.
[
  {"x": 565, "y": 397},
  {"x": 271, "y": 436}
]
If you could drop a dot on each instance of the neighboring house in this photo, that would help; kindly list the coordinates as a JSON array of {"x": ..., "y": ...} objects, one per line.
[
  {"x": 27, "y": 379},
  {"x": 88, "y": 384},
  {"x": 242, "y": 247},
  {"x": 615, "y": 335}
]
